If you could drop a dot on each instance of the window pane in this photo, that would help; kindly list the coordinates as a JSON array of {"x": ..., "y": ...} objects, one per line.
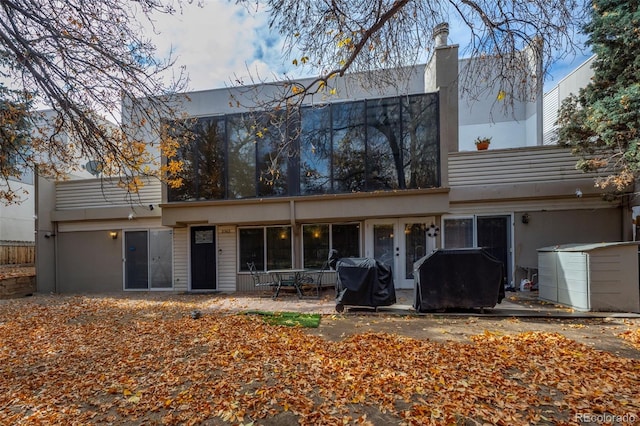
[
  {"x": 160, "y": 243},
  {"x": 421, "y": 155},
  {"x": 348, "y": 147},
  {"x": 242, "y": 157},
  {"x": 458, "y": 233},
  {"x": 279, "y": 247},
  {"x": 186, "y": 153},
  {"x": 315, "y": 151},
  {"x": 273, "y": 154},
  {"x": 346, "y": 239},
  {"x": 252, "y": 248},
  {"x": 384, "y": 145},
  {"x": 415, "y": 237},
  {"x": 210, "y": 159},
  {"x": 315, "y": 242}
]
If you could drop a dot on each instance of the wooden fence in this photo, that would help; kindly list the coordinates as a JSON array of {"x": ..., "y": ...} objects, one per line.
[{"x": 18, "y": 254}]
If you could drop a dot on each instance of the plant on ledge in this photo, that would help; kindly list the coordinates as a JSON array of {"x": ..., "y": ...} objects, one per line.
[{"x": 482, "y": 143}]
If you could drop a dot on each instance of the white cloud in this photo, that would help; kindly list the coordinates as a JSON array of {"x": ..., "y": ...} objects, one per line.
[
  {"x": 219, "y": 42},
  {"x": 222, "y": 41}
]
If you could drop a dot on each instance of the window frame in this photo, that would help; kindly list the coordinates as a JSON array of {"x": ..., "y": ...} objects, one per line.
[
  {"x": 358, "y": 225},
  {"x": 242, "y": 265}
]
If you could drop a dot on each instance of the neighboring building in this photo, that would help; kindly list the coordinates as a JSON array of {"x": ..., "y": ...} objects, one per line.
[
  {"x": 571, "y": 84},
  {"x": 16, "y": 220},
  {"x": 370, "y": 174},
  {"x": 17, "y": 223}
]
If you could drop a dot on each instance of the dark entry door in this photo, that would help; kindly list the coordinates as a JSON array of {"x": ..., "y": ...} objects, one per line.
[
  {"x": 136, "y": 257},
  {"x": 494, "y": 236},
  {"x": 203, "y": 258}
]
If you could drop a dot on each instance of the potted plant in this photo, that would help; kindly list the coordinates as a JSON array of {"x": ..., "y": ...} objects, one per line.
[{"x": 482, "y": 143}]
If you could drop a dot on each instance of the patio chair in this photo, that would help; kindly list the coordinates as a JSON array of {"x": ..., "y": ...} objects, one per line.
[
  {"x": 313, "y": 281},
  {"x": 260, "y": 279}
]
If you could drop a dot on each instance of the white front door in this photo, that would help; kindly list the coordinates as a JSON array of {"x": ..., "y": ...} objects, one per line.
[{"x": 399, "y": 243}]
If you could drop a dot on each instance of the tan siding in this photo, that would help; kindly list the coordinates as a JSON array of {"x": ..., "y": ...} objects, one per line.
[
  {"x": 245, "y": 283},
  {"x": 93, "y": 193},
  {"x": 511, "y": 166},
  {"x": 227, "y": 258},
  {"x": 180, "y": 259}
]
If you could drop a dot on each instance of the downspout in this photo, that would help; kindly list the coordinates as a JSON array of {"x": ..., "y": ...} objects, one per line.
[
  {"x": 292, "y": 221},
  {"x": 55, "y": 258},
  {"x": 292, "y": 213}
]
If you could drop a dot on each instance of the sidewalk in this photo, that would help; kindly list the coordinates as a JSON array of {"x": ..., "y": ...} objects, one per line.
[{"x": 515, "y": 304}]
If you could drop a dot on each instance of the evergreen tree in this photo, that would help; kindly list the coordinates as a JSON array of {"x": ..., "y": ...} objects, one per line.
[{"x": 602, "y": 123}]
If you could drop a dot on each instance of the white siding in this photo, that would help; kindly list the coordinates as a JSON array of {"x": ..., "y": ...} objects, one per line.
[
  {"x": 95, "y": 193},
  {"x": 550, "y": 107},
  {"x": 547, "y": 276},
  {"x": 180, "y": 259},
  {"x": 573, "y": 280},
  {"x": 227, "y": 258}
]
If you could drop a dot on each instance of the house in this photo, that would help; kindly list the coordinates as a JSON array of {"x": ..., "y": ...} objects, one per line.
[
  {"x": 388, "y": 173},
  {"x": 17, "y": 224}
]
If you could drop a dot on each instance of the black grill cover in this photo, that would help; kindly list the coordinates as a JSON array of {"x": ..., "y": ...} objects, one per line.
[
  {"x": 458, "y": 278},
  {"x": 364, "y": 282}
]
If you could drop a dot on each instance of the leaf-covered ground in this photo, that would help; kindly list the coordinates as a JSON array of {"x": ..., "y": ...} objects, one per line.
[{"x": 92, "y": 360}]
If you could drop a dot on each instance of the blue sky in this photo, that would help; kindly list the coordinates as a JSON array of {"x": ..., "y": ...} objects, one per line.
[{"x": 222, "y": 43}]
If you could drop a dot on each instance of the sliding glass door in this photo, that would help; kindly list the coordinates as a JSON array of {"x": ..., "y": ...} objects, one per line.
[{"x": 148, "y": 260}]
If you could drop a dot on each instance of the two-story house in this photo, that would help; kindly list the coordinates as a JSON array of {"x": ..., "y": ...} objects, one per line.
[{"x": 390, "y": 173}]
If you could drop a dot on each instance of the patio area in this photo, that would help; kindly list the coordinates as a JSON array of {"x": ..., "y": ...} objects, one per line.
[{"x": 518, "y": 304}]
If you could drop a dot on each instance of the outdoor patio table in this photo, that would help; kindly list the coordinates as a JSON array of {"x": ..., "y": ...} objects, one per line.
[{"x": 287, "y": 278}]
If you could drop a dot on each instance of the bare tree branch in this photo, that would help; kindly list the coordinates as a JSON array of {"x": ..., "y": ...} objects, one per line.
[{"x": 81, "y": 59}]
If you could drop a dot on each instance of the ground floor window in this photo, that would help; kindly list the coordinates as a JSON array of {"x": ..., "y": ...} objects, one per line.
[
  {"x": 318, "y": 239},
  {"x": 148, "y": 259},
  {"x": 459, "y": 232},
  {"x": 268, "y": 247},
  {"x": 491, "y": 232}
]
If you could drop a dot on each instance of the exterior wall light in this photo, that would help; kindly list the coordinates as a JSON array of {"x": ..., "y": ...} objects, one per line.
[
  {"x": 113, "y": 235},
  {"x": 525, "y": 218}
]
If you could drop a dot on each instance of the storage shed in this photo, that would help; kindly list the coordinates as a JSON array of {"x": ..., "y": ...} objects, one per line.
[{"x": 591, "y": 277}]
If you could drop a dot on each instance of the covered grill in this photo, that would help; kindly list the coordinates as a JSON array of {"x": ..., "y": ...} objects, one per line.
[{"x": 364, "y": 282}]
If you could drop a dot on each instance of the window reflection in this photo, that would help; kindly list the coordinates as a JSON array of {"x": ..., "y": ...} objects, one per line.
[
  {"x": 203, "y": 159},
  {"x": 242, "y": 157},
  {"x": 315, "y": 151},
  {"x": 348, "y": 147},
  {"x": 384, "y": 145},
  {"x": 372, "y": 145},
  {"x": 420, "y": 142},
  {"x": 273, "y": 154}
]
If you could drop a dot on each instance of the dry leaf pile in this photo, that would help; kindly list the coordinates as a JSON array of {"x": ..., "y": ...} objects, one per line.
[
  {"x": 90, "y": 360},
  {"x": 632, "y": 336}
]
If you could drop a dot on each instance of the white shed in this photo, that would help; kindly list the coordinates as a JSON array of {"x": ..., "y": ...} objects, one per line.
[{"x": 591, "y": 277}]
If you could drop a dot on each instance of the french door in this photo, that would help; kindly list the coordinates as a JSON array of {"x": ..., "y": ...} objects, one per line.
[
  {"x": 148, "y": 260},
  {"x": 399, "y": 243}
]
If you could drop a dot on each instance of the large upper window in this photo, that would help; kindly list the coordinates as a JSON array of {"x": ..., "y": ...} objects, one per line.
[
  {"x": 203, "y": 173},
  {"x": 241, "y": 157},
  {"x": 349, "y": 147},
  {"x": 369, "y": 145},
  {"x": 315, "y": 151}
]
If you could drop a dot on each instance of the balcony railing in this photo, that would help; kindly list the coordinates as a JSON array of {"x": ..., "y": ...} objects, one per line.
[
  {"x": 104, "y": 193},
  {"x": 514, "y": 166}
]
